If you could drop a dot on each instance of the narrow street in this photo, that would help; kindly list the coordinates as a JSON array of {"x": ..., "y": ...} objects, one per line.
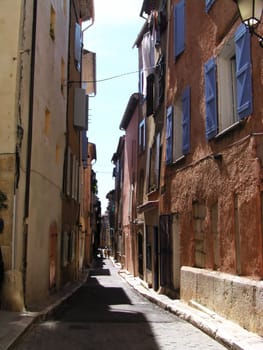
[{"x": 106, "y": 313}]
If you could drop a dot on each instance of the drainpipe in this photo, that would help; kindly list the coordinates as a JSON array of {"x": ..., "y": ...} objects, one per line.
[{"x": 29, "y": 143}]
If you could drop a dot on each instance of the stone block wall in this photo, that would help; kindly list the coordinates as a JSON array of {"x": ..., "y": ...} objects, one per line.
[{"x": 239, "y": 299}]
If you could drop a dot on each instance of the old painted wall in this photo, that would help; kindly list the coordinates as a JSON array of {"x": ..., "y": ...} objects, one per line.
[{"x": 48, "y": 144}]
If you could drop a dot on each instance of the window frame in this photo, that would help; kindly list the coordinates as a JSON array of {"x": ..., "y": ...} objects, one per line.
[
  {"x": 243, "y": 78},
  {"x": 177, "y": 148},
  {"x": 227, "y": 87}
]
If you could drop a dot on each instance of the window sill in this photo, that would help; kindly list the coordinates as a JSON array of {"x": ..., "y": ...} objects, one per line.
[
  {"x": 229, "y": 129},
  {"x": 177, "y": 161},
  {"x": 152, "y": 190}
]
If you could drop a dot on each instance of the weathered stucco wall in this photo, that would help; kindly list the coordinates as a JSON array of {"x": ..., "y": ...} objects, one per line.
[
  {"x": 9, "y": 59},
  {"x": 220, "y": 177},
  {"x": 232, "y": 184},
  {"x": 48, "y": 145}
]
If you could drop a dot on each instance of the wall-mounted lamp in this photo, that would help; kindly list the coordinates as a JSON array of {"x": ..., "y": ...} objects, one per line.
[{"x": 250, "y": 12}]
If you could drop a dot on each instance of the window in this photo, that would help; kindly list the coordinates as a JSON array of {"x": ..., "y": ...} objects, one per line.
[
  {"x": 47, "y": 122},
  {"x": 148, "y": 248},
  {"x": 161, "y": 79},
  {"x": 150, "y": 95},
  {"x": 57, "y": 153},
  {"x": 84, "y": 141},
  {"x": 227, "y": 86},
  {"x": 155, "y": 87},
  {"x": 52, "y": 23},
  {"x": 179, "y": 28},
  {"x": 154, "y": 164},
  {"x": 208, "y": 4},
  {"x": 178, "y": 128},
  {"x": 65, "y": 247},
  {"x": 148, "y": 59},
  {"x": 199, "y": 216},
  {"x": 71, "y": 246},
  {"x": 65, "y": 7},
  {"x": 230, "y": 74},
  {"x": 73, "y": 176},
  {"x": 62, "y": 74},
  {"x": 169, "y": 134},
  {"x": 142, "y": 136},
  {"x": 141, "y": 186},
  {"x": 68, "y": 172},
  {"x": 78, "y": 46}
]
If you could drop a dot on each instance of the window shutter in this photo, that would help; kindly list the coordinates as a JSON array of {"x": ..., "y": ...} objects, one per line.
[
  {"x": 157, "y": 159},
  {"x": 208, "y": 4},
  {"x": 69, "y": 172},
  {"x": 210, "y": 98},
  {"x": 243, "y": 72},
  {"x": 86, "y": 112},
  {"x": 186, "y": 120},
  {"x": 179, "y": 28},
  {"x": 148, "y": 168},
  {"x": 169, "y": 134},
  {"x": 80, "y": 109},
  {"x": 78, "y": 46}
]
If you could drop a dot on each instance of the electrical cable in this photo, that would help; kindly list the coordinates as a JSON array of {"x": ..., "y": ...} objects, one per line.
[{"x": 113, "y": 77}]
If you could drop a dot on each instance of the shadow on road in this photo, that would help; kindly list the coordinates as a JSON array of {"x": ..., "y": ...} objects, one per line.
[{"x": 102, "y": 308}]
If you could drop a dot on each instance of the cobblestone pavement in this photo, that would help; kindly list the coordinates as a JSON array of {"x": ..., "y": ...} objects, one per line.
[{"x": 106, "y": 313}]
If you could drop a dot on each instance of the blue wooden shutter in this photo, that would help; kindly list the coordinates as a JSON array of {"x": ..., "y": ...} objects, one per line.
[
  {"x": 243, "y": 72},
  {"x": 169, "y": 134},
  {"x": 186, "y": 120},
  {"x": 179, "y": 28},
  {"x": 210, "y": 98},
  {"x": 78, "y": 46},
  {"x": 208, "y": 4}
]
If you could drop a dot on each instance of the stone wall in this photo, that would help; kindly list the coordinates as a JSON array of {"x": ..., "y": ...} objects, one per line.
[{"x": 239, "y": 299}]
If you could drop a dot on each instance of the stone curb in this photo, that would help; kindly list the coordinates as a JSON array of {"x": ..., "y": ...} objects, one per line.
[{"x": 228, "y": 333}]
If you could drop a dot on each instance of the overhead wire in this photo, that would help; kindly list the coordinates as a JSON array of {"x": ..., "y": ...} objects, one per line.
[{"x": 114, "y": 76}]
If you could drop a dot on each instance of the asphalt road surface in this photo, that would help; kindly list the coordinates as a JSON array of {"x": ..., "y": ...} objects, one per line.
[{"x": 107, "y": 313}]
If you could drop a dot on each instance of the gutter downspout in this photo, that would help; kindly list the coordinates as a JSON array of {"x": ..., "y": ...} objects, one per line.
[{"x": 29, "y": 144}]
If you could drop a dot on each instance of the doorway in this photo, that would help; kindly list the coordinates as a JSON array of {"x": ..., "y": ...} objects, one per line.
[
  {"x": 140, "y": 255},
  {"x": 156, "y": 257}
]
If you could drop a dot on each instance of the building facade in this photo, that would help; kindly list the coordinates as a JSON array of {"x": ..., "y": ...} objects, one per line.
[
  {"x": 118, "y": 162},
  {"x": 129, "y": 124},
  {"x": 199, "y": 166},
  {"x": 35, "y": 123},
  {"x": 213, "y": 197}
]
